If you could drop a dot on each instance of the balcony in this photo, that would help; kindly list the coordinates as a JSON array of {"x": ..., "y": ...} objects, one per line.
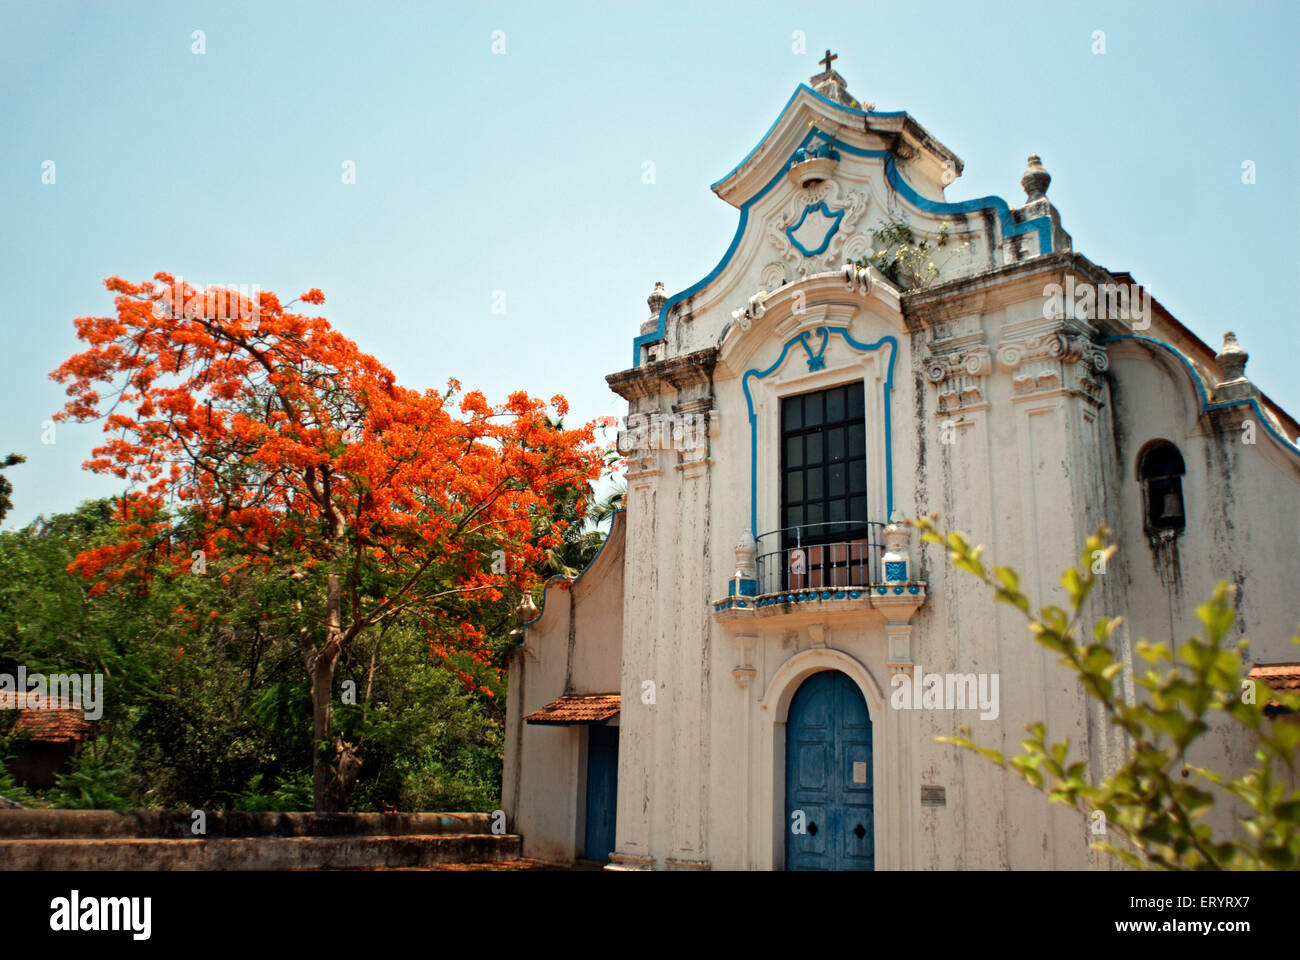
[
  {"x": 836, "y": 570},
  {"x": 808, "y": 557}
]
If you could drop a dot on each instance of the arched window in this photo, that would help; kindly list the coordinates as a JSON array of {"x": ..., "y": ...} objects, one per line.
[{"x": 1160, "y": 471}]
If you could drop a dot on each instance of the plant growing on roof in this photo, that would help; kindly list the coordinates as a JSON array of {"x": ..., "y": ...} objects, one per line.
[{"x": 906, "y": 259}]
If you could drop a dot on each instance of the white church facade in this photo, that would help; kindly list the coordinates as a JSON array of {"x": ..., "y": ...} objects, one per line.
[{"x": 714, "y": 691}]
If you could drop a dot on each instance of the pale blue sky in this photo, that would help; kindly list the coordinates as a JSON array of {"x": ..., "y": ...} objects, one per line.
[{"x": 523, "y": 173}]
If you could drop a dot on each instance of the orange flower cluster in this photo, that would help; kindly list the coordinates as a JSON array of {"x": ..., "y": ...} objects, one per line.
[{"x": 292, "y": 449}]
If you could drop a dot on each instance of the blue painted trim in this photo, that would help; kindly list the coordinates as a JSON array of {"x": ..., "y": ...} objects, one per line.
[
  {"x": 523, "y": 627},
  {"x": 1202, "y": 396},
  {"x": 801, "y": 338},
  {"x": 835, "y": 217},
  {"x": 817, "y": 361},
  {"x": 775, "y": 123},
  {"x": 803, "y": 596},
  {"x": 1007, "y": 223}
]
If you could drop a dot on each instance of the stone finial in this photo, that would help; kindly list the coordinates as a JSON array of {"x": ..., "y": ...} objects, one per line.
[
  {"x": 897, "y": 538},
  {"x": 1232, "y": 359},
  {"x": 1035, "y": 180},
  {"x": 746, "y": 548},
  {"x": 897, "y": 556},
  {"x": 744, "y": 582},
  {"x": 527, "y": 610},
  {"x": 658, "y": 296}
]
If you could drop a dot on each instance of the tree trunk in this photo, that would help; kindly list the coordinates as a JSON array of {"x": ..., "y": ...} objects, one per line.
[
  {"x": 324, "y": 787},
  {"x": 322, "y": 692}
]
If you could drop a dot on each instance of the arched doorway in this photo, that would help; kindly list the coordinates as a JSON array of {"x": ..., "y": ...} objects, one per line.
[{"x": 828, "y": 777}]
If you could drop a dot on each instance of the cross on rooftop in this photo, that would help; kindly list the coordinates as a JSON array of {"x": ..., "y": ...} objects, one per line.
[{"x": 826, "y": 60}]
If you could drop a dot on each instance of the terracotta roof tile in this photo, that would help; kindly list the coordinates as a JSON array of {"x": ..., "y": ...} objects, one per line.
[
  {"x": 46, "y": 719},
  {"x": 1278, "y": 677},
  {"x": 53, "y": 726},
  {"x": 577, "y": 708}
]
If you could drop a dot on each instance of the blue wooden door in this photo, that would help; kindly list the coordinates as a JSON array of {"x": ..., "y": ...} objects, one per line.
[
  {"x": 602, "y": 792},
  {"x": 828, "y": 776}
]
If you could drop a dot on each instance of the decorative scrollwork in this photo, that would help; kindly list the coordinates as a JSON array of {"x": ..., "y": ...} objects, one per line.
[
  {"x": 1010, "y": 355},
  {"x": 1054, "y": 360},
  {"x": 773, "y": 276}
]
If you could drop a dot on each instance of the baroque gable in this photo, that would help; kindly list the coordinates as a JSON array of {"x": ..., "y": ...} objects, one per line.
[{"x": 810, "y": 194}]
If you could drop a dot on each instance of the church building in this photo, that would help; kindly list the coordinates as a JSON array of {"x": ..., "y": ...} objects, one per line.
[{"x": 718, "y": 689}]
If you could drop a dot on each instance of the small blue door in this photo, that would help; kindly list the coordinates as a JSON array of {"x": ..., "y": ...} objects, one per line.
[
  {"x": 828, "y": 777},
  {"x": 602, "y": 792}
]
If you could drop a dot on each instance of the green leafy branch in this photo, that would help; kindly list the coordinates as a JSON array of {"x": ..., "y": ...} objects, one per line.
[{"x": 1152, "y": 801}]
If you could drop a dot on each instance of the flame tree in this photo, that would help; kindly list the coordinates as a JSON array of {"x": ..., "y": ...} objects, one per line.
[{"x": 263, "y": 437}]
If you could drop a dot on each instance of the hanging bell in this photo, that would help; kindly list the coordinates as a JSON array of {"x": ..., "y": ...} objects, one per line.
[{"x": 1172, "y": 509}]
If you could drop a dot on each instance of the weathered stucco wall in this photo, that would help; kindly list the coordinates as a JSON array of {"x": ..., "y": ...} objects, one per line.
[{"x": 573, "y": 646}]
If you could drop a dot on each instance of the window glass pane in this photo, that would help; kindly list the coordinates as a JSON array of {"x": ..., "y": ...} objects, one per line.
[
  {"x": 836, "y": 512},
  {"x": 812, "y": 409},
  {"x": 858, "y": 477},
  {"x": 855, "y": 401},
  {"x": 835, "y": 405},
  {"x": 794, "y": 486},
  {"x": 835, "y": 480},
  {"x": 794, "y": 451},
  {"x": 813, "y": 488},
  {"x": 835, "y": 444},
  {"x": 823, "y": 463},
  {"x": 793, "y": 413}
]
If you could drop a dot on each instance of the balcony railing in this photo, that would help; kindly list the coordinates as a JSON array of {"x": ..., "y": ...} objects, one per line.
[{"x": 810, "y": 557}]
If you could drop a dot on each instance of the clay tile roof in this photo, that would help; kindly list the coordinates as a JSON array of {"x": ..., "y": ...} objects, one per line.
[
  {"x": 50, "y": 721},
  {"x": 1277, "y": 676},
  {"x": 588, "y": 708}
]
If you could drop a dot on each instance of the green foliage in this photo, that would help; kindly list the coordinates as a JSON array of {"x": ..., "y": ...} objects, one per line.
[
  {"x": 6, "y": 487},
  {"x": 95, "y": 781},
  {"x": 906, "y": 260},
  {"x": 1156, "y": 801},
  {"x": 11, "y": 789},
  {"x": 429, "y": 742},
  {"x": 582, "y": 514},
  {"x": 206, "y": 701},
  {"x": 285, "y": 796}
]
